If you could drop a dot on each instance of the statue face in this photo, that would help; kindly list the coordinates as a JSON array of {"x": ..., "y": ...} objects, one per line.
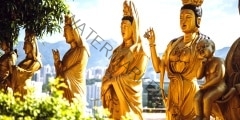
[
  {"x": 205, "y": 49},
  {"x": 187, "y": 21},
  {"x": 27, "y": 47},
  {"x": 68, "y": 34},
  {"x": 126, "y": 29}
]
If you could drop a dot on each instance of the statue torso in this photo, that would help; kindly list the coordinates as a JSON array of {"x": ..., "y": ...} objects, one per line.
[
  {"x": 122, "y": 57},
  {"x": 180, "y": 55}
]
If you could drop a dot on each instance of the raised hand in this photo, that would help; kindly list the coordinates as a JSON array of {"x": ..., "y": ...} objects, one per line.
[
  {"x": 56, "y": 55},
  {"x": 150, "y": 35}
]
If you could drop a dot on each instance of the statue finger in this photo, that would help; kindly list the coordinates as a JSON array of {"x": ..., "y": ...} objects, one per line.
[{"x": 53, "y": 51}]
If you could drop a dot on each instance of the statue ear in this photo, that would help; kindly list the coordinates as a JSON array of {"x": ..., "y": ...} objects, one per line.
[{"x": 198, "y": 21}]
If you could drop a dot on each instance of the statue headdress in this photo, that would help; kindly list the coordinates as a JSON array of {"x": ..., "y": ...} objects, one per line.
[
  {"x": 69, "y": 22},
  {"x": 130, "y": 13},
  {"x": 192, "y": 2}
]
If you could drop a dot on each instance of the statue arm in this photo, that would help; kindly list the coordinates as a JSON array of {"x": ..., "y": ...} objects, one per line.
[
  {"x": 36, "y": 66},
  {"x": 201, "y": 70},
  {"x": 19, "y": 70},
  {"x": 58, "y": 67},
  {"x": 156, "y": 61},
  {"x": 217, "y": 75},
  {"x": 57, "y": 62}
]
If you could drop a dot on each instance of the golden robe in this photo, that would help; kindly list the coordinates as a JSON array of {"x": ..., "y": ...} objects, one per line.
[
  {"x": 181, "y": 66},
  {"x": 23, "y": 73},
  {"x": 6, "y": 62},
  {"x": 125, "y": 70},
  {"x": 231, "y": 108},
  {"x": 73, "y": 68}
]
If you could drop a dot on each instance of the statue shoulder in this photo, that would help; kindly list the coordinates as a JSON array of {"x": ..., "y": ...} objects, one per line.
[
  {"x": 173, "y": 41},
  {"x": 232, "y": 59}
]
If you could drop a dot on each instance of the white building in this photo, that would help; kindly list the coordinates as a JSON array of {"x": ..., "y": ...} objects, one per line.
[{"x": 93, "y": 94}]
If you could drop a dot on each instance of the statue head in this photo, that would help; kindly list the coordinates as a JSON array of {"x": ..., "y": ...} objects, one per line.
[
  {"x": 205, "y": 48},
  {"x": 70, "y": 33},
  {"x": 130, "y": 22},
  {"x": 190, "y": 18}
]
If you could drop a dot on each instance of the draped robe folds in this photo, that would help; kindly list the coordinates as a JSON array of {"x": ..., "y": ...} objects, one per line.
[
  {"x": 73, "y": 68},
  {"x": 6, "y": 62},
  {"x": 125, "y": 70},
  {"x": 22, "y": 75},
  {"x": 231, "y": 109},
  {"x": 183, "y": 85}
]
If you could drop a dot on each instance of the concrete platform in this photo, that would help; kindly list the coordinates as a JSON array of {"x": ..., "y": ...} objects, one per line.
[
  {"x": 154, "y": 116},
  {"x": 158, "y": 116}
]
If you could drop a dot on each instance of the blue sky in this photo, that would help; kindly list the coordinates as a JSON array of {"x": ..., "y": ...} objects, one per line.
[{"x": 220, "y": 20}]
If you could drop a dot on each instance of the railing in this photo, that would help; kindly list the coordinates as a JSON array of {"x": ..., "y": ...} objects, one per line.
[{"x": 154, "y": 110}]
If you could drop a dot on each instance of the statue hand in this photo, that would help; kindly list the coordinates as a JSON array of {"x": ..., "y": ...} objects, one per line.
[
  {"x": 202, "y": 87},
  {"x": 150, "y": 35},
  {"x": 229, "y": 94},
  {"x": 56, "y": 55}
]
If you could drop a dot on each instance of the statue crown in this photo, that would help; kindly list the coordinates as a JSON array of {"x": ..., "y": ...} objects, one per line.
[
  {"x": 192, "y": 2},
  {"x": 68, "y": 20},
  {"x": 29, "y": 37},
  {"x": 127, "y": 10}
]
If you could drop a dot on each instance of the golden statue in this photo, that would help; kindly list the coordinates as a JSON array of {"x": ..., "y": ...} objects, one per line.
[
  {"x": 8, "y": 59},
  {"x": 181, "y": 64},
  {"x": 230, "y": 102},
  {"x": 121, "y": 91},
  {"x": 213, "y": 69},
  {"x": 23, "y": 72},
  {"x": 73, "y": 65}
]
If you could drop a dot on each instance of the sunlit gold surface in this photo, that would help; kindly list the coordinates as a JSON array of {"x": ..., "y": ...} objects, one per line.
[
  {"x": 121, "y": 85},
  {"x": 23, "y": 72},
  {"x": 213, "y": 69},
  {"x": 6, "y": 61},
  {"x": 230, "y": 102},
  {"x": 181, "y": 64},
  {"x": 71, "y": 69}
]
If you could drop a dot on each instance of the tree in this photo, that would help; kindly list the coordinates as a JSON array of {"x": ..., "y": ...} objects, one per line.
[{"x": 36, "y": 16}]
